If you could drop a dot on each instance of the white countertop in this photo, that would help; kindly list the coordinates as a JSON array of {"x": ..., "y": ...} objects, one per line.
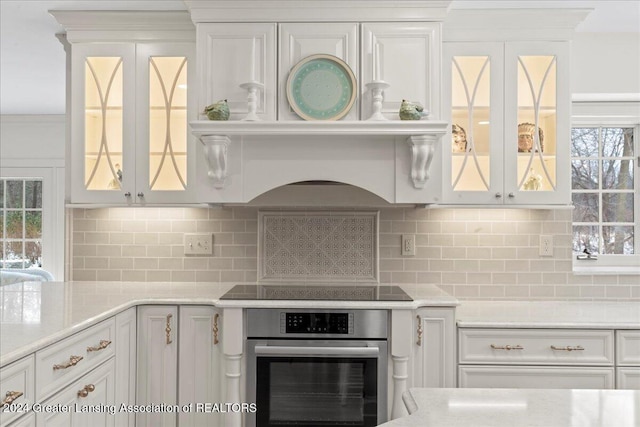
[
  {"x": 481, "y": 407},
  {"x": 34, "y": 314},
  {"x": 549, "y": 314}
]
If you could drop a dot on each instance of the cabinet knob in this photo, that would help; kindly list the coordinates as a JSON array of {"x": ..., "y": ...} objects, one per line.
[
  {"x": 141, "y": 194},
  {"x": 498, "y": 195},
  {"x": 84, "y": 392},
  {"x": 511, "y": 195},
  {"x": 419, "y": 330},
  {"x": 127, "y": 194}
]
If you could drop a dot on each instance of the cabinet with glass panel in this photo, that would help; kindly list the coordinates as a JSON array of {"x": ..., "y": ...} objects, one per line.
[
  {"x": 130, "y": 108},
  {"x": 509, "y": 105}
]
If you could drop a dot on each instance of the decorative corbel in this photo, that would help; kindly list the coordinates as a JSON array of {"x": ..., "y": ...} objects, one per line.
[
  {"x": 215, "y": 151},
  {"x": 422, "y": 149}
]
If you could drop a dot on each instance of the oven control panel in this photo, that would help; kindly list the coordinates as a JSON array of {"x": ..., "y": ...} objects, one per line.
[{"x": 316, "y": 323}]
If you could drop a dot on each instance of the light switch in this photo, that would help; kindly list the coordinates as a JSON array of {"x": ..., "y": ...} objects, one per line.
[{"x": 198, "y": 244}]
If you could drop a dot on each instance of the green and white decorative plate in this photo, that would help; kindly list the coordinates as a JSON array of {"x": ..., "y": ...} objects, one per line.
[{"x": 321, "y": 87}]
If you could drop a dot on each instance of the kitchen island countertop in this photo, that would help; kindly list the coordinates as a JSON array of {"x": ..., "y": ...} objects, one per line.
[
  {"x": 34, "y": 314},
  {"x": 481, "y": 407}
]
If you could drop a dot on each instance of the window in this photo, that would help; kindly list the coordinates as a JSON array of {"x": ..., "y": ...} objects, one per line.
[
  {"x": 604, "y": 186},
  {"x": 20, "y": 222}
]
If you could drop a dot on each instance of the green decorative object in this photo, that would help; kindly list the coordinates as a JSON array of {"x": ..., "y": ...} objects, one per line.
[
  {"x": 411, "y": 110},
  {"x": 218, "y": 111}
]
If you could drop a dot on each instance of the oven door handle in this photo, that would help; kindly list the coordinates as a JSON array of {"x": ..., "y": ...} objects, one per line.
[{"x": 317, "y": 351}]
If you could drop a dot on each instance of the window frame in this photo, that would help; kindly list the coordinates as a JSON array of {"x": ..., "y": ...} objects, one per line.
[
  {"x": 49, "y": 260},
  {"x": 622, "y": 114}
]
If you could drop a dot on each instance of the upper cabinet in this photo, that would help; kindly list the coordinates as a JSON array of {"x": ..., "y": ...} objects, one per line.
[
  {"x": 314, "y": 91},
  {"x": 507, "y": 95},
  {"x": 131, "y": 100},
  {"x": 509, "y": 106}
]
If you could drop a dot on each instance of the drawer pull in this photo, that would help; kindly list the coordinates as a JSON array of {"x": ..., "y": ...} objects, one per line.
[
  {"x": 568, "y": 348},
  {"x": 103, "y": 344},
  {"x": 10, "y": 397},
  {"x": 419, "y": 341},
  {"x": 73, "y": 361},
  {"x": 86, "y": 390},
  {"x": 507, "y": 347},
  {"x": 215, "y": 328},
  {"x": 167, "y": 329}
]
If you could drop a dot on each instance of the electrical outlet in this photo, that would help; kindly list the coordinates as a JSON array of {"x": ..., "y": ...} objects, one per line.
[
  {"x": 408, "y": 245},
  {"x": 546, "y": 245},
  {"x": 198, "y": 244}
]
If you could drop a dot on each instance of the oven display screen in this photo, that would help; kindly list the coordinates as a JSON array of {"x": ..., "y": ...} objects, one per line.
[{"x": 316, "y": 323}]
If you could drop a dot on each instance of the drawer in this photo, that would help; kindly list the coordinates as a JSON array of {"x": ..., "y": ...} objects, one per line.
[
  {"x": 628, "y": 378},
  {"x": 17, "y": 381},
  {"x": 536, "y": 346},
  {"x": 535, "y": 377},
  {"x": 91, "y": 400},
  {"x": 628, "y": 348},
  {"x": 65, "y": 361}
]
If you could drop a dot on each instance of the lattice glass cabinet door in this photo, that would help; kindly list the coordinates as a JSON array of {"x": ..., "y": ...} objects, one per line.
[
  {"x": 537, "y": 134},
  {"x": 474, "y": 89}
]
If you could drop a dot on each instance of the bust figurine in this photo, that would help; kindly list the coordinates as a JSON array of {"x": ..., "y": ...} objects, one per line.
[
  {"x": 525, "y": 137},
  {"x": 459, "y": 139}
]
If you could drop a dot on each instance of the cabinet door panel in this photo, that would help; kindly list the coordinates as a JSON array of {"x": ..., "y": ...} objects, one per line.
[
  {"x": 297, "y": 41},
  {"x": 537, "y": 128},
  {"x": 224, "y": 55},
  {"x": 200, "y": 379},
  {"x": 125, "y": 372},
  {"x": 16, "y": 378},
  {"x": 165, "y": 147},
  {"x": 157, "y": 362},
  {"x": 100, "y": 393},
  {"x": 628, "y": 378},
  {"x": 473, "y": 96},
  {"x": 406, "y": 56},
  {"x": 103, "y": 123},
  {"x": 535, "y": 377}
]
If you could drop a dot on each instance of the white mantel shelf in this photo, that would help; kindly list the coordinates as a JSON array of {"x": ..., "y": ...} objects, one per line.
[
  {"x": 297, "y": 128},
  {"x": 420, "y": 135}
]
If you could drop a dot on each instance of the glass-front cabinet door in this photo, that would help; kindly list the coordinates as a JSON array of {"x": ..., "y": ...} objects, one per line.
[
  {"x": 509, "y": 106},
  {"x": 102, "y": 125},
  {"x": 473, "y": 75},
  {"x": 130, "y": 112},
  {"x": 537, "y": 128}
]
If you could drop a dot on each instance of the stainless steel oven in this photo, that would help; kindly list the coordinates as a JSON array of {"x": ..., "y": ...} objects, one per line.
[{"x": 308, "y": 367}]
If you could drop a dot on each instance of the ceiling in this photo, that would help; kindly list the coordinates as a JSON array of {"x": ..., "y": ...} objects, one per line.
[{"x": 32, "y": 60}]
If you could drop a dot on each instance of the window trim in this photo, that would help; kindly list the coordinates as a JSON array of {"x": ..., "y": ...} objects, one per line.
[
  {"x": 49, "y": 249},
  {"x": 606, "y": 113}
]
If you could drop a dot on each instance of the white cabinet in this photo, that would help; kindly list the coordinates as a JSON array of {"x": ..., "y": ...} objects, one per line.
[
  {"x": 190, "y": 335},
  {"x": 423, "y": 348},
  {"x": 200, "y": 370},
  {"x": 509, "y": 105},
  {"x": 434, "y": 348},
  {"x": 94, "y": 390},
  {"x": 130, "y": 108},
  {"x": 535, "y": 358},
  {"x": 125, "y": 372},
  {"x": 628, "y": 359},
  {"x": 17, "y": 389},
  {"x": 157, "y": 363}
]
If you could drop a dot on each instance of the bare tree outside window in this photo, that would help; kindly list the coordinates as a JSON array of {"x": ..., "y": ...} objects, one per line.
[
  {"x": 20, "y": 222},
  {"x": 603, "y": 190}
]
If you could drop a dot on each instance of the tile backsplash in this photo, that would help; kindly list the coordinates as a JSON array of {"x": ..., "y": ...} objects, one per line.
[{"x": 469, "y": 253}]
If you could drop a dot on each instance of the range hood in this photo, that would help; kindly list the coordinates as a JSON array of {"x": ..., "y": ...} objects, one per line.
[{"x": 265, "y": 150}]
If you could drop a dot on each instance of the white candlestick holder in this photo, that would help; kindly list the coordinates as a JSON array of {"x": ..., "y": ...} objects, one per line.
[
  {"x": 252, "y": 88},
  {"x": 377, "y": 87}
]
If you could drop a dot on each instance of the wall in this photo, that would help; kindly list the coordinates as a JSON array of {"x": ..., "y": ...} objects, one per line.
[
  {"x": 34, "y": 146},
  {"x": 470, "y": 253},
  {"x": 605, "y": 63}
]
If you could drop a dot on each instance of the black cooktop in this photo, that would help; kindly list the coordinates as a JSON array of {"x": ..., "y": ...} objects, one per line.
[{"x": 317, "y": 292}]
